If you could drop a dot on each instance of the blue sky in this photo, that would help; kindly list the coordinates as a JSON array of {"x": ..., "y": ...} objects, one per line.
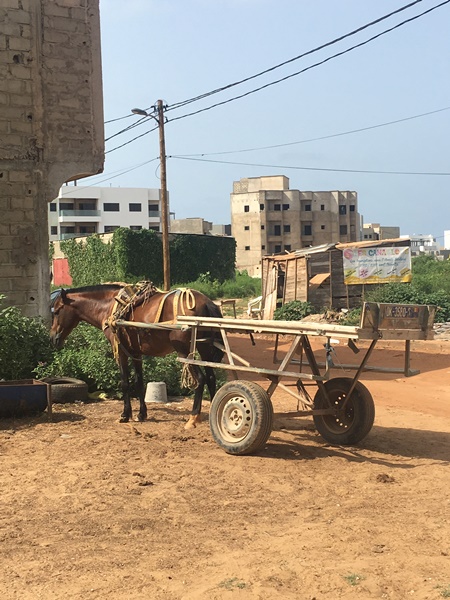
[{"x": 177, "y": 49}]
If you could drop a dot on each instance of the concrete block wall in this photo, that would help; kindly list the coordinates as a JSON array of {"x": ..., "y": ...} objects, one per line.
[{"x": 51, "y": 130}]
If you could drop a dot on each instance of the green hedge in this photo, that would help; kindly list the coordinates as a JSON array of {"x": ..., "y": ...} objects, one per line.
[{"x": 137, "y": 255}]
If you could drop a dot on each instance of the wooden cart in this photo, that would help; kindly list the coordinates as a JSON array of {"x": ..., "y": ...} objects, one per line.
[{"x": 342, "y": 408}]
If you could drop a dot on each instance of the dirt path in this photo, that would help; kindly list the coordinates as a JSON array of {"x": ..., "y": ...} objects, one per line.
[{"x": 91, "y": 508}]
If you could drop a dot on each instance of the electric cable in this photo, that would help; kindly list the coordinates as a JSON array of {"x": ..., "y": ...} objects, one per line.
[
  {"x": 367, "y": 171},
  {"x": 311, "y": 66},
  {"x": 321, "y": 47},
  {"x": 132, "y": 140}
]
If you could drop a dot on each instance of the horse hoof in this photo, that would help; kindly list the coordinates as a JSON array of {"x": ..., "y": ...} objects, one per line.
[
  {"x": 192, "y": 423},
  {"x": 142, "y": 418},
  {"x": 124, "y": 419}
]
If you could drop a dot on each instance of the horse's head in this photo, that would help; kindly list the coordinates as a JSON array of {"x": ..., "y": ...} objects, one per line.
[{"x": 64, "y": 319}]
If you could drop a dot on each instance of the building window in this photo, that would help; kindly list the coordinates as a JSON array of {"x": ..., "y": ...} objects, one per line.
[
  {"x": 287, "y": 247},
  {"x": 111, "y": 228},
  {"x": 87, "y": 206},
  {"x": 263, "y": 247},
  {"x": 263, "y": 227},
  {"x": 154, "y": 227},
  {"x": 277, "y": 248},
  {"x": 343, "y": 230},
  {"x": 286, "y": 228},
  {"x": 322, "y": 207},
  {"x": 66, "y": 206},
  {"x": 352, "y": 208},
  {"x": 307, "y": 230},
  {"x": 261, "y": 207},
  {"x": 322, "y": 227},
  {"x": 111, "y": 207},
  {"x": 135, "y": 227},
  {"x": 52, "y": 207},
  {"x": 247, "y": 247},
  {"x": 277, "y": 230},
  {"x": 247, "y": 228},
  {"x": 246, "y": 208},
  {"x": 285, "y": 206},
  {"x": 53, "y": 230},
  {"x": 307, "y": 208},
  {"x": 342, "y": 209},
  {"x": 135, "y": 207},
  {"x": 153, "y": 208},
  {"x": 277, "y": 207}
]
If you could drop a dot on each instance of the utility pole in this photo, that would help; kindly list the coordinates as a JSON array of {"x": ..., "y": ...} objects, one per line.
[{"x": 164, "y": 203}]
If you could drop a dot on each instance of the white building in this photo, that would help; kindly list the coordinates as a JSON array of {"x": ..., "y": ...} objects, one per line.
[
  {"x": 422, "y": 244},
  {"x": 81, "y": 210}
]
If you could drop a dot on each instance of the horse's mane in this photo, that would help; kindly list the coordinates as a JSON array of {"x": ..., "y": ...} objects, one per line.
[{"x": 96, "y": 288}]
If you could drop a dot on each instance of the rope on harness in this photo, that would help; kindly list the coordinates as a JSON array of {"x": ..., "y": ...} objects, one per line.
[{"x": 189, "y": 377}]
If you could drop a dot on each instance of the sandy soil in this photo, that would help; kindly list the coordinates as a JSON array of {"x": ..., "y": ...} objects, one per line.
[{"x": 91, "y": 508}]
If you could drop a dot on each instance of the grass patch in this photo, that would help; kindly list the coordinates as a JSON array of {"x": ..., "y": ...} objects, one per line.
[
  {"x": 353, "y": 579},
  {"x": 231, "y": 583}
]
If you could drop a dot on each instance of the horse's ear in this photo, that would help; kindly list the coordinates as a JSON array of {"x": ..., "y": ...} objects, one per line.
[{"x": 63, "y": 294}]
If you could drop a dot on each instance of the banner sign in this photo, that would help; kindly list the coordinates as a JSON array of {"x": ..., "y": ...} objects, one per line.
[{"x": 376, "y": 265}]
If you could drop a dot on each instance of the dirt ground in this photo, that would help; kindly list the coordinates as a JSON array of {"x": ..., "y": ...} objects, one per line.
[{"x": 91, "y": 508}]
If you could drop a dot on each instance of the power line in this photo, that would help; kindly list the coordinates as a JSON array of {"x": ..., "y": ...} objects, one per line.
[
  {"x": 324, "y": 137},
  {"x": 135, "y": 138},
  {"x": 119, "y": 173},
  {"x": 225, "y": 162},
  {"x": 335, "y": 41},
  {"x": 312, "y": 51},
  {"x": 312, "y": 66}
]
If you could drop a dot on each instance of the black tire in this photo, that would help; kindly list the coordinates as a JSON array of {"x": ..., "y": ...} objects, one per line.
[
  {"x": 241, "y": 417},
  {"x": 348, "y": 427},
  {"x": 67, "y": 389}
]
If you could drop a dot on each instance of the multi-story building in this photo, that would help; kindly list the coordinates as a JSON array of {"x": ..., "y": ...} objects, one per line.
[
  {"x": 80, "y": 210},
  {"x": 269, "y": 218},
  {"x": 423, "y": 244},
  {"x": 375, "y": 231}
]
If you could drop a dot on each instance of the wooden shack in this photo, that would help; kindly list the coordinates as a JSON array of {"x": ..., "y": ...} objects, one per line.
[{"x": 314, "y": 275}]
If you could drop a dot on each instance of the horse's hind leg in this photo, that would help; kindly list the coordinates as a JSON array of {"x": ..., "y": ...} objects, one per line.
[
  {"x": 142, "y": 415},
  {"x": 210, "y": 381},
  {"x": 198, "y": 395}
]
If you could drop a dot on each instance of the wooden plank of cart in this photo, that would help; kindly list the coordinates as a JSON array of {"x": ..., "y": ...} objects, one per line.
[{"x": 342, "y": 408}]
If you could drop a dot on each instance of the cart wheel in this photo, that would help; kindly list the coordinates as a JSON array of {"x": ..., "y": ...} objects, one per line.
[
  {"x": 348, "y": 426},
  {"x": 241, "y": 417}
]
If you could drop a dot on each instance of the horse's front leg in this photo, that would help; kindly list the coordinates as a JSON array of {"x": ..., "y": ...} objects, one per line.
[
  {"x": 142, "y": 415},
  {"x": 125, "y": 387},
  {"x": 198, "y": 395}
]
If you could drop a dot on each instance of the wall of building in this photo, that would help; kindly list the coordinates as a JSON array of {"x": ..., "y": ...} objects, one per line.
[
  {"x": 272, "y": 220},
  {"x": 190, "y": 225},
  {"x": 91, "y": 212},
  {"x": 51, "y": 126}
]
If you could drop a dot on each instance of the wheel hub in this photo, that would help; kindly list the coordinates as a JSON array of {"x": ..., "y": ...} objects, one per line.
[{"x": 236, "y": 417}]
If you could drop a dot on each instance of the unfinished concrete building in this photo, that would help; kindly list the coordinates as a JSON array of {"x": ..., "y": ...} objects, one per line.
[
  {"x": 269, "y": 218},
  {"x": 51, "y": 130}
]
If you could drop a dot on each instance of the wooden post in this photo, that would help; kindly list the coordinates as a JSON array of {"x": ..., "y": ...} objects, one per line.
[{"x": 164, "y": 203}]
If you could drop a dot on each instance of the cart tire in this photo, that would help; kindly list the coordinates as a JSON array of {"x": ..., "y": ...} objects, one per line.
[
  {"x": 67, "y": 389},
  {"x": 241, "y": 417},
  {"x": 352, "y": 425}
]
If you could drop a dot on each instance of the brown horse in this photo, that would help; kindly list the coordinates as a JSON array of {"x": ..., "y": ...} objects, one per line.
[{"x": 103, "y": 305}]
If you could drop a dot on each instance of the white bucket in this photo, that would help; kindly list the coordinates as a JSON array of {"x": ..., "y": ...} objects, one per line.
[{"x": 156, "y": 392}]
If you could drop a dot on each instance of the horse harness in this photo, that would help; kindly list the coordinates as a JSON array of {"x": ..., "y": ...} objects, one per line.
[{"x": 130, "y": 295}]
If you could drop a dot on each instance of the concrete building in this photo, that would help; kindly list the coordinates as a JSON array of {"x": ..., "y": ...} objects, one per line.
[
  {"x": 375, "y": 231},
  {"x": 269, "y": 218},
  {"x": 79, "y": 211},
  {"x": 51, "y": 128},
  {"x": 191, "y": 225},
  {"x": 422, "y": 244}
]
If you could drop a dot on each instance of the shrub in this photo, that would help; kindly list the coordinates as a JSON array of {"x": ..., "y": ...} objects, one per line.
[
  {"x": 405, "y": 293},
  {"x": 293, "y": 311},
  {"x": 24, "y": 343}
]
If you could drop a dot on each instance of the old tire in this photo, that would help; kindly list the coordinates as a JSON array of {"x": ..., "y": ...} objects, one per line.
[
  {"x": 349, "y": 426},
  {"x": 67, "y": 389},
  {"x": 241, "y": 417}
]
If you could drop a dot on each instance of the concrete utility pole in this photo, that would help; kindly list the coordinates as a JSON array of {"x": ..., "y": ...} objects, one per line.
[{"x": 164, "y": 204}]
